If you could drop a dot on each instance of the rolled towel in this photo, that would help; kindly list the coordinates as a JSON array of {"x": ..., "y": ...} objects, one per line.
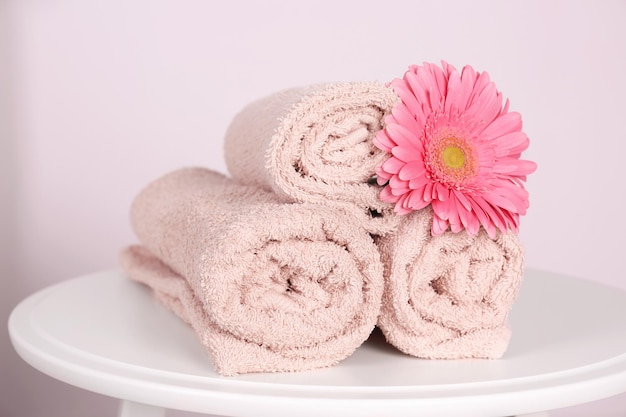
[
  {"x": 448, "y": 296},
  {"x": 314, "y": 144},
  {"x": 267, "y": 286}
]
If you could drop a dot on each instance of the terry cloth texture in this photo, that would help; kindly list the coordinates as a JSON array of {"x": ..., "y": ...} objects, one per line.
[
  {"x": 448, "y": 296},
  {"x": 314, "y": 144},
  {"x": 267, "y": 286}
]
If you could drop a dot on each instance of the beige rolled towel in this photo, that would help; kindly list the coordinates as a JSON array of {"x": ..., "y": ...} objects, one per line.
[
  {"x": 448, "y": 296},
  {"x": 267, "y": 286},
  {"x": 314, "y": 144}
]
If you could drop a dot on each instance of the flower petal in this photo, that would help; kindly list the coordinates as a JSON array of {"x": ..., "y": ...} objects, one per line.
[
  {"x": 446, "y": 210},
  {"x": 393, "y": 165},
  {"x": 397, "y": 183},
  {"x": 411, "y": 170},
  {"x": 439, "y": 226},
  {"x": 516, "y": 196},
  {"x": 506, "y": 123},
  {"x": 480, "y": 83},
  {"x": 513, "y": 143},
  {"x": 405, "y": 154},
  {"x": 441, "y": 192},
  {"x": 386, "y": 195},
  {"x": 459, "y": 91},
  {"x": 419, "y": 182},
  {"x": 493, "y": 214},
  {"x": 399, "y": 191},
  {"x": 483, "y": 219},
  {"x": 404, "y": 137},
  {"x": 420, "y": 88},
  {"x": 382, "y": 177},
  {"x": 496, "y": 199},
  {"x": 487, "y": 106},
  {"x": 438, "y": 84},
  {"x": 400, "y": 206},
  {"x": 468, "y": 219},
  {"x": 383, "y": 141},
  {"x": 462, "y": 199},
  {"x": 413, "y": 122},
  {"x": 416, "y": 200},
  {"x": 428, "y": 191},
  {"x": 403, "y": 91},
  {"x": 514, "y": 167}
]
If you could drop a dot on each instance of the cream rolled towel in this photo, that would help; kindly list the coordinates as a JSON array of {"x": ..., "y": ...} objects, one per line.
[
  {"x": 314, "y": 144},
  {"x": 448, "y": 296},
  {"x": 267, "y": 286}
]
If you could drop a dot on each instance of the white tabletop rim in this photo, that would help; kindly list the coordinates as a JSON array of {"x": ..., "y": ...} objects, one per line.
[{"x": 590, "y": 382}]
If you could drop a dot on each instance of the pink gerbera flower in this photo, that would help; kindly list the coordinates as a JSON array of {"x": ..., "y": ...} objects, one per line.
[{"x": 454, "y": 146}]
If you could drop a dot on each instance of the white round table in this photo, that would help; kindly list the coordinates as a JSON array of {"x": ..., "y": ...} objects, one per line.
[{"x": 106, "y": 334}]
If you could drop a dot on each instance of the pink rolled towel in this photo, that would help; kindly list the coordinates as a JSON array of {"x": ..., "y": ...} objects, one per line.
[
  {"x": 267, "y": 286},
  {"x": 448, "y": 296},
  {"x": 314, "y": 144}
]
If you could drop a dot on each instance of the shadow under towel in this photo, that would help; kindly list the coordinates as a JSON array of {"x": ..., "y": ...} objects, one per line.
[
  {"x": 314, "y": 144},
  {"x": 448, "y": 296},
  {"x": 267, "y": 286}
]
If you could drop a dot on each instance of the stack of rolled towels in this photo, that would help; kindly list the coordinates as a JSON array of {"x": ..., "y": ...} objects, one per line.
[{"x": 291, "y": 261}]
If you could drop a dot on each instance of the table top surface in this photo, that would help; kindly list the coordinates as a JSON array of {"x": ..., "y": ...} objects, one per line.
[{"x": 107, "y": 334}]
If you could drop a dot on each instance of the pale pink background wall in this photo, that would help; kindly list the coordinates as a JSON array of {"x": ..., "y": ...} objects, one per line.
[{"x": 99, "y": 97}]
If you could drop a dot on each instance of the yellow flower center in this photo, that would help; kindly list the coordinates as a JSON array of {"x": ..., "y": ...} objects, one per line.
[{"x": 453, "y": 157}]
